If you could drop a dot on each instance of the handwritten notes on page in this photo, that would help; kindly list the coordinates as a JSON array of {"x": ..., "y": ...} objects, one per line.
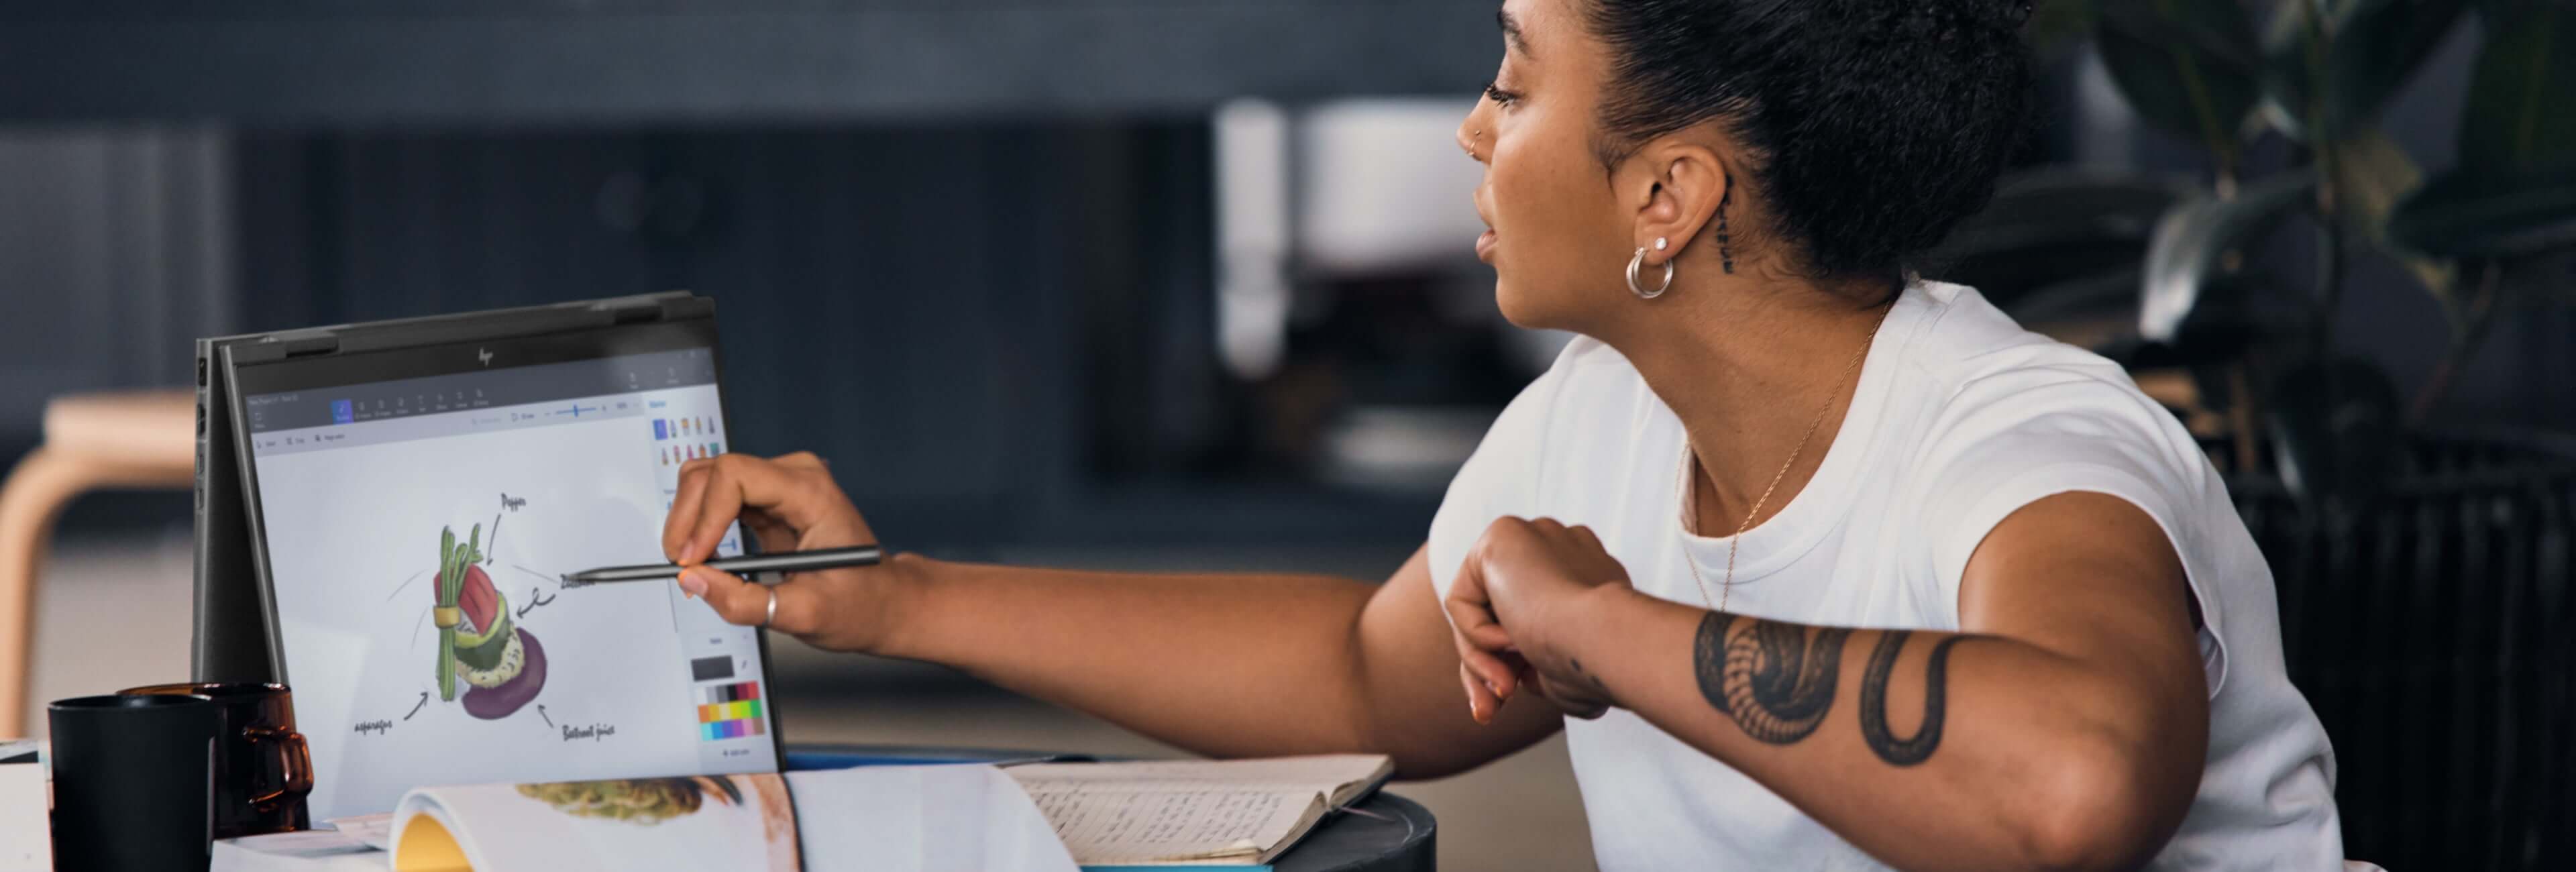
[
  {"x": 1214, "y": 812},
  {"x": 1165, "y": 821}
]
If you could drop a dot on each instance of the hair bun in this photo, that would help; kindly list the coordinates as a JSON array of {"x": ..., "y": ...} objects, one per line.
[
  {"x": 1954, "y": 18},
  {"x": 1871, "y": 126}
]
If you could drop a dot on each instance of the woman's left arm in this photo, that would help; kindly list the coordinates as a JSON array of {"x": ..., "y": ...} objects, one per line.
[{"x": 2065, "y": 726}]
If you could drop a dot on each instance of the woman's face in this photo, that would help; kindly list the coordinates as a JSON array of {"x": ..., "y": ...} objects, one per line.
[{"x": 1559, "y": 238}]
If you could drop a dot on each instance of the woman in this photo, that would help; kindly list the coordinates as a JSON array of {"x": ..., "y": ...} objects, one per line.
[{"x": 1828, "y": 565}]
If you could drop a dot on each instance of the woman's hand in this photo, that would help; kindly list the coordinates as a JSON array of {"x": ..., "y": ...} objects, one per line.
[
  {"x": 791, "y": 504},
  {"x": 1522, "y": 599}
]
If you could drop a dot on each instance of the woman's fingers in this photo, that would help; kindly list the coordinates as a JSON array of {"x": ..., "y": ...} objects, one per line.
[
  {"x": 1497, "y": 673},
  {"x": 1478, "y": 637},
  {"x": 682, "y": 520},
  {"x": 736, "y": 600},
  {"x": 1479, "y": 634},
  {"x": 1481, "y": 701},
  {"x": 713, "y": 492},
  {"x": 1475, "y": 622},
  {"x": 803, "y": 460},
  {"x": 787, "y": 503},
  {"x": 1591, "y": 541},
  {"x": 746, "y": 604},
  {"x": 774, "y": 535},
  {"x": 1471, "y": 607},
  {"x": 1485, "y": 669}
]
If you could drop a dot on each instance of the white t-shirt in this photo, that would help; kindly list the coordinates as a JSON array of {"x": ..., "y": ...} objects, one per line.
[{"x": 1960, "y": 418}]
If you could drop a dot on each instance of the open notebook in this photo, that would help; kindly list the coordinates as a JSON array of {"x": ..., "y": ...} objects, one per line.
[{"x": 1196, "y": 812}]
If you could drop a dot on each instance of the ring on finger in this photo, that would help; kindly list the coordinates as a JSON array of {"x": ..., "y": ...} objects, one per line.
[{"x": 772, "y": 614}]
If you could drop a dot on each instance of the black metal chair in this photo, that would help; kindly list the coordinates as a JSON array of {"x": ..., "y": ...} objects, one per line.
[{"x": 2434, "y": 631}]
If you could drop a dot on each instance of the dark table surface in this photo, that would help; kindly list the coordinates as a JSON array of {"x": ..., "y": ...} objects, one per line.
[{"x": 1384, "y": 833}]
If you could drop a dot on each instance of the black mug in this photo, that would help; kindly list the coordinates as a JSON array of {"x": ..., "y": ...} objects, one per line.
[
  {"x": 262, "y": 769},
  {"x": 133, "y": 782}
]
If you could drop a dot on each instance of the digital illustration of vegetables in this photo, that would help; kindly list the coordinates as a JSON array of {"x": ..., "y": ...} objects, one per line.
[{"x": 502, "y": 665}]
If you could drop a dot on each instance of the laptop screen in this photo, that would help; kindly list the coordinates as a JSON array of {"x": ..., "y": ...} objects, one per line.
[{"x": 415, "y": 528}]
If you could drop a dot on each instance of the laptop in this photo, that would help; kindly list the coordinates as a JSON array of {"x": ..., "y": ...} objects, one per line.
[{"x": 410, "y": 492}]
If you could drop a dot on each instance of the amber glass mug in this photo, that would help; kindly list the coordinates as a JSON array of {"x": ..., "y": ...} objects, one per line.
[{"x": 262, "y": 769}]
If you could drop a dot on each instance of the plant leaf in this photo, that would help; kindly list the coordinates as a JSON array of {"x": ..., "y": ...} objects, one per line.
[
  {"x": 2184, "y": 254},
  {"x": 2376, "y": 47},
  {"x": 2284, "y": 72},
  {"x": 2371, "y": 174},
  {"x": 2191, "y": 67},
  {"x": 2373, "y": 49},
  {"x": 2480, "y": 214},
  {"x": 2056, "y": 205},
  {"x": 2051, "y": 224},
  {"x": 2518, "y": 114}
]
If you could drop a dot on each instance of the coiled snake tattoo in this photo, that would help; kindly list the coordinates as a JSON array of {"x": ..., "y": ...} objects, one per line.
[{"x": 1776, "y": 680}]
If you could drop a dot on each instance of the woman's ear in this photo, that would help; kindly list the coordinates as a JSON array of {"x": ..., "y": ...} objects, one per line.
[{"x": 1682, "y": 186}]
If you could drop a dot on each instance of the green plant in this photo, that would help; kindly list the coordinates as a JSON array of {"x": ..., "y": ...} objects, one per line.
[{"x": 2496, "y": 233}]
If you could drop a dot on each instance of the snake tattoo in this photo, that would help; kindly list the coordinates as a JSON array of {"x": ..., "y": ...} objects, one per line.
[
  {"x": 1873, "y": 700},
  {"x": 1776, "y": 680}
]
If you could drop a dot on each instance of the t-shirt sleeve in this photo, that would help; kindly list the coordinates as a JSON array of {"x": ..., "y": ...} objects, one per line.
[
  {"x": 1500, "y": 478},
  {"x": 2022, "y": 443}
]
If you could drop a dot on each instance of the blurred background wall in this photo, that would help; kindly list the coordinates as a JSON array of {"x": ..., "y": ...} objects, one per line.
[{"x": 1023, "y": 278}]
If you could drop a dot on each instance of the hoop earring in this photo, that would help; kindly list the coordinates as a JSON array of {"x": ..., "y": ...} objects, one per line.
[
  {"x": 1639, "y": 288},
  {"x": 1725, "y": 255}
]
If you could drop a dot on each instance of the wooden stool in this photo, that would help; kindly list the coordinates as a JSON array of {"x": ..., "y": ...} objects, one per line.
[{"x": 140, "y": 439}]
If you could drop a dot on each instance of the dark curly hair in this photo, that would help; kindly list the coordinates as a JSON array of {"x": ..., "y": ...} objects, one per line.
[{"x": 1872, "y": 126}]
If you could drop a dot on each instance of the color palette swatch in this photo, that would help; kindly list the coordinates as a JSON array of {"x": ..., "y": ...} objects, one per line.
[
  {"x": 667, "y": 429},
  {"x": 731, "y": 711}
]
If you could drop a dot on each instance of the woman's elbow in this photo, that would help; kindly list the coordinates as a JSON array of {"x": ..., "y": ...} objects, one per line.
[{"x": 2106, "y": 807}]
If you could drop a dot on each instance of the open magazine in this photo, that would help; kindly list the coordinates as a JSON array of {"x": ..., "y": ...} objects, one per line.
[
  {"x": 1039, "y": 818},
  {"x": 893, "y": 818},
  {"x": 745, "y": 822}
]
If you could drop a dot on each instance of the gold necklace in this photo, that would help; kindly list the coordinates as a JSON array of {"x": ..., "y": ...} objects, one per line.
[{"x": 1690, "y": 483}]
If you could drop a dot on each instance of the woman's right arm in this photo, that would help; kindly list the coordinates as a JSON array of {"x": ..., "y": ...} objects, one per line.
[{"x": 1225, "y": 665}]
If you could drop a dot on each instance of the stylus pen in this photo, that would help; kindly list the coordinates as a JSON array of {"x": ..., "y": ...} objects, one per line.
[{"x": 793, "y": 561}]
